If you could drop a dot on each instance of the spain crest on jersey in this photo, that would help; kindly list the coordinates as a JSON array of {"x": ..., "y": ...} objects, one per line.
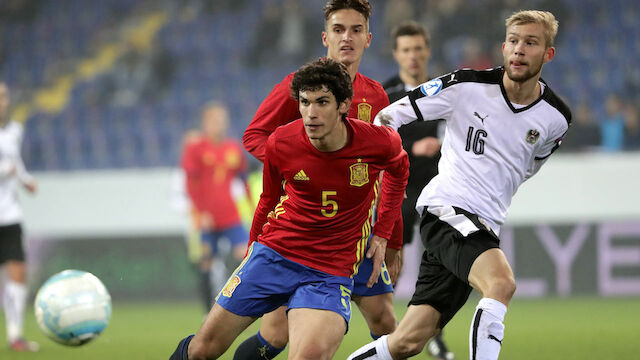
[
  {"x": 231, "y": 286},
  {"x": 532, "y": 136},
  {"x": 364, "y": 112},
  {"x": 359, "y": 173}
]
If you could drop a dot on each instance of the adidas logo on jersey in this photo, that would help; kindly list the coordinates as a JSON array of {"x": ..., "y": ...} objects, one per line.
[{"x": 301, "y": 176}]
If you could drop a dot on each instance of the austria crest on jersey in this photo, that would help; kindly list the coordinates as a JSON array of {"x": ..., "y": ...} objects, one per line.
[
  {"x": 532, "y": 136},
  {"x": 359, "y": 173}
]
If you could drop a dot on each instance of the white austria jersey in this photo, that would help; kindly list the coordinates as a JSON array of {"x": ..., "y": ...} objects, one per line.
[
  {"x": 12, "y": 173},
  {"x": 490, "y": 147}
]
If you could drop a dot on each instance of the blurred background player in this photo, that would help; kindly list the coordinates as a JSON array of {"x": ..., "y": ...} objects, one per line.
[
  {"x": 13, "y": 174},
  {"x": 346, "y": 35},
  {"x": 312, "y": 222},
  {"x": 420, "y": 139},
  {"x": 211, "y": 162}
]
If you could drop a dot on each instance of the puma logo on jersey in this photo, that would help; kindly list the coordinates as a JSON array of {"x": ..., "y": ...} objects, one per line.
[
  {"x": 495, "y": 338},
  {"x": 475, "y": 113},
  {"x": 301, "y": 176}
]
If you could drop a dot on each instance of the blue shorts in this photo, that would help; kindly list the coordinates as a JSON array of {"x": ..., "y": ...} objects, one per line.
[
  {"x": 237, "y": 235},
  {"x": 383, "y": 285},
  {"x": 265, "y": 280}
]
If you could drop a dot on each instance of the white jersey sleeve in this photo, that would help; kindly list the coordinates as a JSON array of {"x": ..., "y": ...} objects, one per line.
[{"x": 435, "y": 103}]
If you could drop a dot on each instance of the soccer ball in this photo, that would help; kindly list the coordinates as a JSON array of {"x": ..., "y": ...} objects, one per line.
[{"x": 73, "y": 307}]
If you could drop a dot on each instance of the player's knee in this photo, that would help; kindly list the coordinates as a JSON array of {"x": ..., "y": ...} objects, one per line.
[
  {"x": 503, "y": 288},
  {"x": 386, "y": 323}
]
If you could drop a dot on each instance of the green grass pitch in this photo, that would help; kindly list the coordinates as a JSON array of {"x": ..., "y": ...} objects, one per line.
[{"x": 551, "y": 328}]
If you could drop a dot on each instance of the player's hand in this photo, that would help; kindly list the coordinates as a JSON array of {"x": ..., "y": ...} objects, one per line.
[
  {"x": 31, "y": 186},
  {"x": 393, "y": 259},
  {"x": 377, "y": 249},
  {"x": 428, "y": 146}
]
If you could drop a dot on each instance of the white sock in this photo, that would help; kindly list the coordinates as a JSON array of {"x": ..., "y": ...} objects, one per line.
[
  {"x": 377, "y": 350},
  {"x": 487, "y": 330},
  {"x": 15, "y": 298}
]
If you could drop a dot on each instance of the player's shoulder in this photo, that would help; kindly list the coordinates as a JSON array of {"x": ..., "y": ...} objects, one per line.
[
  {"x": 286, "y": 82},
  {"x": 551, "y": 98},
  {"x": 466, "y": 76},
  {"x": 288, "y": 130}
]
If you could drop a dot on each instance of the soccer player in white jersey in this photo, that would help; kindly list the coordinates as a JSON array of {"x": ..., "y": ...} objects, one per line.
[
  {"x": 502, "y": 125},
  {"x": 12, "y": 174}
]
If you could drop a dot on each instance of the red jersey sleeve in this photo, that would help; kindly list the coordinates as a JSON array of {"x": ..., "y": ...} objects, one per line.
[
  {"x": 394, "y": 182},
  {"x": 277, "y": 109},
  {"x": 193, "y": 169},
  {"x": 271, "y": 183}
]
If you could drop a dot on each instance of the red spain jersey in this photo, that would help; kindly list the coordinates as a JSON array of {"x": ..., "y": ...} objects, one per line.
[
  {"x": 280, "y": 108},
  {"x": 210, "y": 167},
  {"x": 322, "y": 219}
]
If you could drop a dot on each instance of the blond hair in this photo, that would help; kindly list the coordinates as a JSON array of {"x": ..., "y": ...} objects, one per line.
[{"x": 544, "y": 18}]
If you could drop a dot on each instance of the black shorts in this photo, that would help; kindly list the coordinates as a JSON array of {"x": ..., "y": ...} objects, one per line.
[
  {"x": 11, "y": 243},
  {"x": 444, "y": 270}
]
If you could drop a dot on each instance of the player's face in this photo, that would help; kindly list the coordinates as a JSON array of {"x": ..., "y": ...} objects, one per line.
[
  {"x": 346, "y": 36},
  {"x": 214, "y": 122},
  {"x": 525, "y": 51},
  {"x": 412, "y": 54},
  {"x": 4, "y": 101},
  {"x": 321, "y": 113}
]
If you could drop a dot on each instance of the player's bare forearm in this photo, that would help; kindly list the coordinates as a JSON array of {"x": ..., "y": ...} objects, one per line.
[{"x": 377, "y": 249}]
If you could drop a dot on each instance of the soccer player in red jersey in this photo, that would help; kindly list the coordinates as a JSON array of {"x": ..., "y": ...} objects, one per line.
[
  {"x": 346, "y": 36},
  {"x": 312, "y": 222},
  {"x": 211, "y": 162}
]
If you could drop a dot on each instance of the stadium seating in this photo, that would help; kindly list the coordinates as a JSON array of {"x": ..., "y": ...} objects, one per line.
[{"x": 208, "y": 52}]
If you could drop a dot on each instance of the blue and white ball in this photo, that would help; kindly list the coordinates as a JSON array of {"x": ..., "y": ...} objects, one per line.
[{"x": 73, "y": 307}]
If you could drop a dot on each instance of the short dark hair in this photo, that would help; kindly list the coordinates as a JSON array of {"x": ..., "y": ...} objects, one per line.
[
  {"x": 361, "y": 6},
  {"x": 323, "y": 72},
  {"x": 410, "y": 28}
]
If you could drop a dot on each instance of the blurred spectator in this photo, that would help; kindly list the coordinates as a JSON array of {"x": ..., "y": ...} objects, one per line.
[
  {"x": 283, "y": 34},
  {"x": 139, "y": 74},
  {"x": 613, "y": 124},
  {"x": 267, "y": 33},
  {"x": 292, "y": 41},
  {"x": 584, "y": 133}
]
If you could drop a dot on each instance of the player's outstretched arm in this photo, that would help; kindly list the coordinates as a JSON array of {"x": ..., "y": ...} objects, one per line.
[{"x": 397, "y": 114}]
